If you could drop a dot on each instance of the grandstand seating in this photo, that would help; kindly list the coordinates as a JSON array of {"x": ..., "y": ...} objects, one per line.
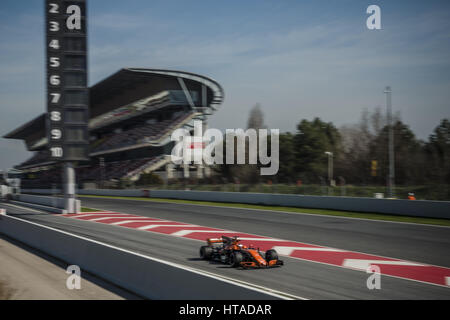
[
  {"x": 42, "y": 179},
  {"x": 132, "y": 114},
  {"x": 112, "y": 170},
  {"x": 140, "y": 134},
  {"x": 37, "y": 158},
  {"x": 150, "y": 131},
  {"x": 144, "y": 166},
  {"x": 153, "y": 103}
]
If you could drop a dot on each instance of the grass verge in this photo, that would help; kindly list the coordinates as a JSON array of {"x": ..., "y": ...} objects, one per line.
[
  {"x": 85, "y": 209},
  {"x": 350, "y": 214}
]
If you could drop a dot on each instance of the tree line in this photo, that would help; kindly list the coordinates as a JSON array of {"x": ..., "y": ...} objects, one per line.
[{"x": 360, "y": 153}]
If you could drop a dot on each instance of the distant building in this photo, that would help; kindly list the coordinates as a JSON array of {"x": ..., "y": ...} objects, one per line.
[{"x": 132, "y": 115}]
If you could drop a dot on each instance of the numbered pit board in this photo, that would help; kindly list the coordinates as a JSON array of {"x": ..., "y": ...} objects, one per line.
[{"x": 67, "y": 93}]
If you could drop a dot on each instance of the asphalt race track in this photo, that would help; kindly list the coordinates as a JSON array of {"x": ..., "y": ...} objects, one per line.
[{"x": 303, "y": 279}]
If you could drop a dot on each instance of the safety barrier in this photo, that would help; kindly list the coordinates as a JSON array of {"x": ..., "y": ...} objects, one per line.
[
  {"x": 54, "y": 204},
  {"x": 431, "y": 209},
  {"x": 418, "y": 208}
]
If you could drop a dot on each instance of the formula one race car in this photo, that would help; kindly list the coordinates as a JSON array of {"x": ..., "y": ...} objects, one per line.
[{"x": 228, "y": 250}]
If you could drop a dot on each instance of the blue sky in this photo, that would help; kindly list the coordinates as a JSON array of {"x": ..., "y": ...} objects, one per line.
[{"x": 298, "y": 59}]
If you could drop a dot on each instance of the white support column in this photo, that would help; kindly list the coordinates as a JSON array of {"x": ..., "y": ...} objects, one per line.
[
  {"x": 204, "y": 96},
  {"x": 69, "y": 188},
  {"x": 186, "y": 170},
  {"x": 169, "y": 171},
  {"x": 186, "y": 92},
  {"x": 207, "y": 171},
  {"x": 200, "y": 171},
  {"x": 391, "y": 176}
]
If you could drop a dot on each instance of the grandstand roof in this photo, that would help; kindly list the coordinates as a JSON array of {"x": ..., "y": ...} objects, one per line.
[
  {"x": 131, "y": 84},
  {"x": 27, "y": 129}
]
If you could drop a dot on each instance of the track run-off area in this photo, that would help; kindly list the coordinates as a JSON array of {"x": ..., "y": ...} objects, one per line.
[{"x": 325, "y": 257}]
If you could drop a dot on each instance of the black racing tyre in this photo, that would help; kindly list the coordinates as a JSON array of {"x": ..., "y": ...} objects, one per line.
[
  {"x": 271, "y": 255},
  {"x": 206, "y": 252},
  {"x": 235, "y": 259}
]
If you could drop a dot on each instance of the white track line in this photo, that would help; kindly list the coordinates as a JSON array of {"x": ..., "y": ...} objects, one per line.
[
  {"x": 94, "y": 214},
  {"x": 24, "y": 207},
  {"x": 288, "y": 250},
  {"x": 263, "y": 239},
  {"x": 152, "y": 226},
  {"x": 183, "y": 233},
  {"x": 100, "y": 212},
  {"x": 136, "y": 218},
  {"x": 130, "y": 221},
  {"x": 362, "y": 264}
]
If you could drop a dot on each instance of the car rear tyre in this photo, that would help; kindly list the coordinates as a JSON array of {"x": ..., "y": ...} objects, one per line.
[
  {"x": 271, "y": 255},
  {"x": 235, "y": 259},
  {"x": 206, "y": 252}
]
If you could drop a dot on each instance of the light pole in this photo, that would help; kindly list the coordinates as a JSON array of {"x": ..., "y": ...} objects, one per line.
[
  {"x": 391, "y": 177},
  {"x": 102, "y": 171},
  {"x": 330, "y": 166}
]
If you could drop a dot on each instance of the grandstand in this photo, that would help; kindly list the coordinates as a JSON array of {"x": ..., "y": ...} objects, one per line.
[{"x": 132, "y": 115}]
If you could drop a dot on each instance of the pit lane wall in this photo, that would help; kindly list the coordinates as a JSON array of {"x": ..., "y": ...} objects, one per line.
[
  {"x": 149, "y": 277},
  {"x": 54, "y": 204},
  {"x": 417, "y": 208}
]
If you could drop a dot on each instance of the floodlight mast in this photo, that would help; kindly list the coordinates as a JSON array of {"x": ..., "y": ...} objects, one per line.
[{"x": 330, "y": 166}]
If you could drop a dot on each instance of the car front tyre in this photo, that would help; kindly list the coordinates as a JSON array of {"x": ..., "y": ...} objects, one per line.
[
  {"x": 235, "y": 259},
  {"x": 271, "y": 255}
]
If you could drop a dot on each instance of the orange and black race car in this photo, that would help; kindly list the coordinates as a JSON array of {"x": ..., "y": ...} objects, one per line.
[{"x": 228, "y": 250}]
